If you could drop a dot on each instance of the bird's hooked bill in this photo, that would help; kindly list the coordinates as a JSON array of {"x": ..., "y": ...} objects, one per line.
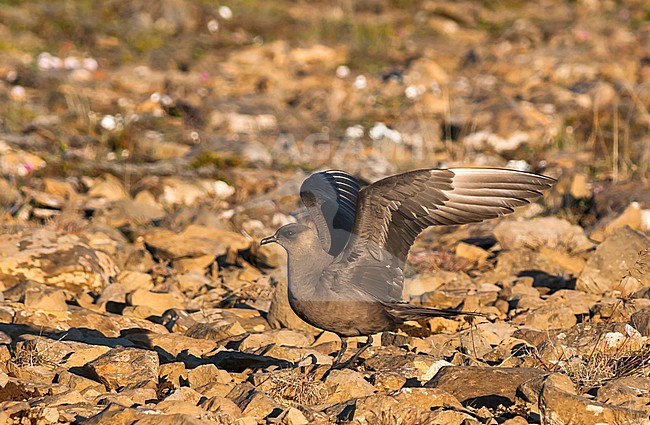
[{"x": 267, "y": 240}]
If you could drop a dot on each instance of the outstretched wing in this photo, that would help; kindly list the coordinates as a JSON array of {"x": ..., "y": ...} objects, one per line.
[
  {"x": 331, "y": 199},
  {"x": 393, "y": 211}
]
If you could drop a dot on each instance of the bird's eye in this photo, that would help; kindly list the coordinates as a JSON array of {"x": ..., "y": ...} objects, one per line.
[{"x": 290, "y": 233}]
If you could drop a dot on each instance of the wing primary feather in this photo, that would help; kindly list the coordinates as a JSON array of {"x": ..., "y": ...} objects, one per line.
[
  {"x": 390, "y": 213},
  {"x": 331, "y": 200}
]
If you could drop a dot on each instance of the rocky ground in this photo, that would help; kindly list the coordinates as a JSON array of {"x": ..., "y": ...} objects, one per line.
[{"x": 146, "y": 146}]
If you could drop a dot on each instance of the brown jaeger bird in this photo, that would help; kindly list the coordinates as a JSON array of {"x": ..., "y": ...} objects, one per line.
[{"x": 346, "y": 276}]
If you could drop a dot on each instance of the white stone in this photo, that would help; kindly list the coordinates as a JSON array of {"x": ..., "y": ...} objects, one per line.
[
  {"x": 342, "y": 71},
  {"x": 433, "y": 369},
  {"x": 108, "y": 122},
  {"x": 46, "y": 61},
  {"x": 71, "y": 62},
  {"x": 414, "y": 91},
  {"x": 89, "y": 64},
  {"x": 518, "y": 164},
  {"x": 354, "y": 132},
  {"x": 17, "y": 93},
  {"x": 225, "y": 12},
  {"x": 631, "y": 331},
  {"x": 213, "y": 25},
  {"x": 612, "y": 339},
  {"x": 222, "y": 190},
  {"x": 360, "y": 83},
  {"x": 380, "y": 131}
]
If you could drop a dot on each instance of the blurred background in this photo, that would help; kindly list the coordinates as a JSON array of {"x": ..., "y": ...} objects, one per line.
[{"x": 252, "y": 93}]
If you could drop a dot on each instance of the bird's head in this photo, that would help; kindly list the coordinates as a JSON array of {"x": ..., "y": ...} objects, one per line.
[{"x": 293, "y": 237}]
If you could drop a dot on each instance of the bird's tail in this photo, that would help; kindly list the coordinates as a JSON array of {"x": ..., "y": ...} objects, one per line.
[{"x": 403, "y": 311}]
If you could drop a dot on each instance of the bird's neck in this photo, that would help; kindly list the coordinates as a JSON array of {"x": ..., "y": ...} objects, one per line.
[{"x": 305, "y": 270}]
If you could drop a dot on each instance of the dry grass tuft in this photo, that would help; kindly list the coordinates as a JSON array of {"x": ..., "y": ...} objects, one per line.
[
  {"x": 248, "y": 291},
  {"x": 33, "y": 353},
  {"x": 594, "y": 370},
  {"x": 589, "y": 372},
  {"x": 296, "y": 386}
]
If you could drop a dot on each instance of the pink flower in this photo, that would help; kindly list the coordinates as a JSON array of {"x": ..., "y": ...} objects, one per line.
[{"x": 582, "y": 35}]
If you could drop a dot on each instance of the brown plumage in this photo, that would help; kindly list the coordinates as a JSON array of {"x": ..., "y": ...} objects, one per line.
[{"x": 347, "y": 275}]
